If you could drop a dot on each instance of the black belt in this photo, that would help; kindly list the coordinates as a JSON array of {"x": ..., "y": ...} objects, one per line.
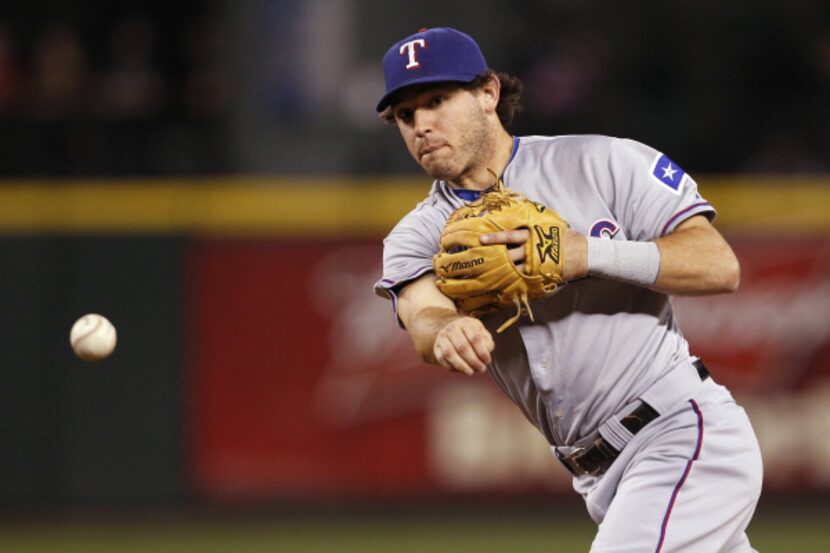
[{"x": 598, "y": 457}]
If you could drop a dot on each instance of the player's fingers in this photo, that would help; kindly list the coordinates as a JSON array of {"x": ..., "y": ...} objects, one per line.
[
  {"x": 468, "y": 357},
  {"x": 516, "y": 255},
  {"x": 476, "y": 345},
  {"x": 483, "y": 345},
  {"x": 446, "y": 354},
  {"x": 450, "y": 359},
  {"x": 515, "y": 236},
  {"x": 467, "y": 351}
]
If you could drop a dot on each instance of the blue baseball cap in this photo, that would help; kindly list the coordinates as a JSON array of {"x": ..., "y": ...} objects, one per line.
[{"x": 431, "y": 56}]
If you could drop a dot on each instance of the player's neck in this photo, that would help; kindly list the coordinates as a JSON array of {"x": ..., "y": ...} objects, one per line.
[{"x": 481, "y": 177}]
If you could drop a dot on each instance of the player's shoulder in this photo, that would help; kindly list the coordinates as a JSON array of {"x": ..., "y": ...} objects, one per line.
[
  {"x": 583, "y": 145},
  {"x": 592, "y": 152},
  {"x": 431, "y": 212},
  {"x": 564, "y": 150},
  {"x": 573, "y": 141}
]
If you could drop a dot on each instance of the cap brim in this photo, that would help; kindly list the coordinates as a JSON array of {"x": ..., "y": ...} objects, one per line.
[{"x": 457, "y": 78}]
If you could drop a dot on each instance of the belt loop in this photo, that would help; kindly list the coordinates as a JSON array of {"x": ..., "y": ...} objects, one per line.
[
  {"x": 615, "y": 433},
  {"x": 702, "y": 371},
  {"x": 674, "y": 387}
]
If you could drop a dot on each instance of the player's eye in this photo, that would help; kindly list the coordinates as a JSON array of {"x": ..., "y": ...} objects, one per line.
[
  {"x": 404, "y": 115},
  {"x": 436, "y": 101}
]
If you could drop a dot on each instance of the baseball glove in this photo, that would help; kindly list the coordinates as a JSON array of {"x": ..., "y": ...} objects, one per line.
[{"x": 480, "y": 278}]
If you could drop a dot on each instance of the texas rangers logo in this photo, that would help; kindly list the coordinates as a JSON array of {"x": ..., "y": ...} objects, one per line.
[
  {"x": 548, "y": 245},
  {"x": 668, "y": 173},
  {"x": 412, "y": 52},
  {"x": 604, "y": 228}
]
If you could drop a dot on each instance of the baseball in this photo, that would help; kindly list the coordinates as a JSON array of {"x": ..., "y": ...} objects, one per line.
[{"x": 92, "y": 337}]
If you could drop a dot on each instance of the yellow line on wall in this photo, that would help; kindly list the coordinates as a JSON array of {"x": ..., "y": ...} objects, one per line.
[
  {"x": 785, "y": 204},
  {"x": 223, "y": 207},
  {"x": 330, "y": 207}
]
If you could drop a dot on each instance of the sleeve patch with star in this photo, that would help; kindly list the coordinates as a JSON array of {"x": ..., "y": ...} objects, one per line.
[{"x": 668, "y": 173}]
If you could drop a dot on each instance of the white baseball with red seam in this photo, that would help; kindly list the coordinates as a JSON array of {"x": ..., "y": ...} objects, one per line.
[{"x": 92, "y": 337}]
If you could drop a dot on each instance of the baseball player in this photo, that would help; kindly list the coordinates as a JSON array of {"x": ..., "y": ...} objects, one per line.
[{"x": 664, "y": 458}]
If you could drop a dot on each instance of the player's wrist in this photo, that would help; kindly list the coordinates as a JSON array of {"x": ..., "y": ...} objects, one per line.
[
  {"x": 626, "y": 261},
  {"x": 575, "y": 255}
]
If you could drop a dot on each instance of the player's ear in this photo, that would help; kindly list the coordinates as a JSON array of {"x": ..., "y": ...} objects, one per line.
[{"x": 489, "y": 93}]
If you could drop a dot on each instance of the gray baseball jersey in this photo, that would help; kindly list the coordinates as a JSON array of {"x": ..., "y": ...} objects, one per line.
[{"x": 596, "y": 345}]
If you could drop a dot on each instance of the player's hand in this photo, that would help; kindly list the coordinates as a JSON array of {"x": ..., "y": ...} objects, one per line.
[
  {"x": 463, "y": 345},
  {"x": 513, "y": 239},
  {"x": 574, "y": 250}
]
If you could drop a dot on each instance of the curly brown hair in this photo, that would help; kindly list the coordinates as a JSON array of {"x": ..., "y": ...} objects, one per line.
[{"x": 510, "y": 98}]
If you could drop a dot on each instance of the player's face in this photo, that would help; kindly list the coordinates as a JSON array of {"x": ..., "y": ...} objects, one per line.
[{"x": 445, "y": 129}]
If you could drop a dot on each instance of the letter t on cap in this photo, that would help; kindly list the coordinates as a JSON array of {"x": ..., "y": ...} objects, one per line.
[{"x": 409, "y": 48}]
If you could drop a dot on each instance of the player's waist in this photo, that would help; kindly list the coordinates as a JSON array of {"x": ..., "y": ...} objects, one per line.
[{"x": 595, "y": 453}]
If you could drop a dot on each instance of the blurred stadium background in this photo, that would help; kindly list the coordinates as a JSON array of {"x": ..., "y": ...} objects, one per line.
[{"x": 156, "y": 161}]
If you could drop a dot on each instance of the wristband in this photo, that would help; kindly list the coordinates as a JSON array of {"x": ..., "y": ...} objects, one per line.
[{"x": 626, "y": 261}]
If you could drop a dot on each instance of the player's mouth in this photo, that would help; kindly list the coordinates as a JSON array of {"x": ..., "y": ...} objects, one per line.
[{"x": 426, "y": 150}]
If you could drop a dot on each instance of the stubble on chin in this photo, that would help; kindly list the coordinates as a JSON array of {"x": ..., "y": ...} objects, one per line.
[{"x": 440, "y": 171}]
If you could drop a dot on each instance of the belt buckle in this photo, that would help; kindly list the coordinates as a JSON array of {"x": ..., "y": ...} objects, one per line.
[{"x": 571, "y": 461}]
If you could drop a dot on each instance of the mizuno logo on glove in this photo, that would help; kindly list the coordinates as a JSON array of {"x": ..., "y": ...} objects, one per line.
[
  {"x": 462, "y": 265},
  {"x": 548, "y": 245}
]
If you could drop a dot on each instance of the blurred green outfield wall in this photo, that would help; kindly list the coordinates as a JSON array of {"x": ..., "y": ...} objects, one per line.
[{"x": 78, "y": 433}]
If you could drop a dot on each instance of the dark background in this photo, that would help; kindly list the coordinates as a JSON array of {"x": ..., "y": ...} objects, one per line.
[{"x": 146, "y": 88}]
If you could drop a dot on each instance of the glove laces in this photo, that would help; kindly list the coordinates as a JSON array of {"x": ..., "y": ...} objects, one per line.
[{"x": 522, "y": 307}]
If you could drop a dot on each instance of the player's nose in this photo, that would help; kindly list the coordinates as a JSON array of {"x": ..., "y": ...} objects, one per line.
[{"x": 422, "y": 122}]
